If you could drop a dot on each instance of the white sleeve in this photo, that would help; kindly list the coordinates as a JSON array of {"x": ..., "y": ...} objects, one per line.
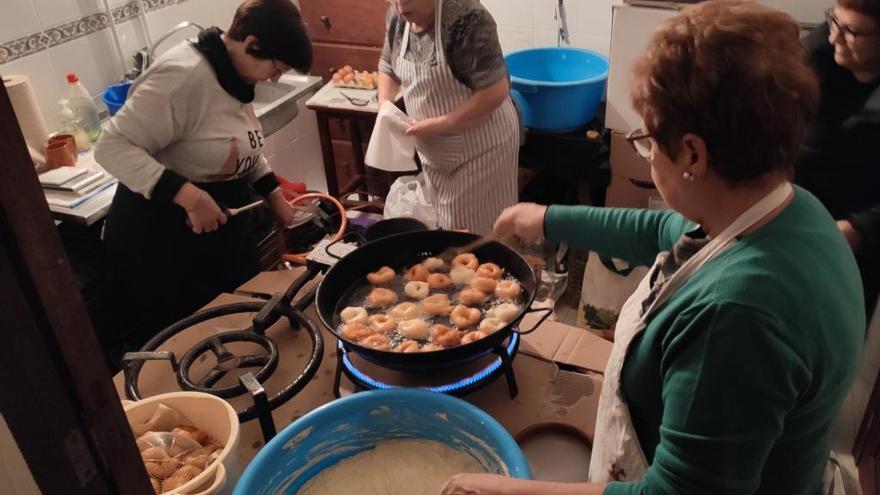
[{"x": 143, "y": 127}]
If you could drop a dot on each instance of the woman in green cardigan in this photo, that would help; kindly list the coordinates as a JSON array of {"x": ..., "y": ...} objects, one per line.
[{"x": 734, "y": 355}]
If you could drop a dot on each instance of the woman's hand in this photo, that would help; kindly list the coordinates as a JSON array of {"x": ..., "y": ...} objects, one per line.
[
  {"x": 430, "y": 127},
  {"x": 281, "y": 207},
  {"x": 525, "y": 220},
  {"x": 203, "y": 212},
  {"x": 476, "y": 484}
]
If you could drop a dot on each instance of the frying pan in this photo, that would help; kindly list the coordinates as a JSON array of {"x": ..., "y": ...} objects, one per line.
[{"x": 402, "y": 251}]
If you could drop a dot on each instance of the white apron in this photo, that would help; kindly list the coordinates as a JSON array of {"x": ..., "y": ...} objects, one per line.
[
  {"x": 617, "y": 454},
  {"x": 472, "y": 173}
]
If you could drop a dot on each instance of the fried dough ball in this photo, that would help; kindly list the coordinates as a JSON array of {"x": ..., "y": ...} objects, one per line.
[
  {"x": 383, "y": 323},
  {"x": 445, "y": 336},
  {"x": 380, "y": 298},
  {"x": 434, "y": 264},
  {"x": 490, "y": 270},
  {"x": 417, "y": 272},
  {"x": 505, "y": 312},
  {"x": 471, "y": 337},
  {"x": 467, "y": 260},
  {"x": 406, "y": 311},
  {"x": 354, "y": 314},
  {"x": 485, "y": 285},
  {"x": 472, "y": 297},
  {"x": 461, "y": 275},
  {"x": 416, "y": 329},
  {"x": 437, "y": 304},
  {"x": 377, "y": 341},
  {"x": 416, "y": 289},
  {"x": 439, "y": 281},
  {"x": 431, "y": 348},
  {"x": 464, "y": 317},
  {"x": 382, "y": 276},
  {"x": 491, "y": 325},
  {"x": 407, "y": 346},
  {"x": 355, "y": 331},
  {"x": 508, "y": 289}
]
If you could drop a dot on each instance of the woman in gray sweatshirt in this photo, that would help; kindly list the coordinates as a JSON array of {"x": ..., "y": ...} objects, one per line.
[{"x": 185, "y": 145}]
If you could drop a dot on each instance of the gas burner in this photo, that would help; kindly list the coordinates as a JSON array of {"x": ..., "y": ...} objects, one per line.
[
  {"x": 457, "y": 380},
  {"x": 267, "y": 314}
]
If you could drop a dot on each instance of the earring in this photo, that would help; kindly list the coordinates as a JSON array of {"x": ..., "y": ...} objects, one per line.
[{"x": 689, "y": 176}]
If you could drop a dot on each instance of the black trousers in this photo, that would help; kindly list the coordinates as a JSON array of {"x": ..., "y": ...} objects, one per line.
[{"x": 162, "y": 271}]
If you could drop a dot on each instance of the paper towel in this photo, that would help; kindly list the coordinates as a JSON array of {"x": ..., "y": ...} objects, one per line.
[
  {"x": 27, "y": 110},
  {"x": 390, "y": 149}
]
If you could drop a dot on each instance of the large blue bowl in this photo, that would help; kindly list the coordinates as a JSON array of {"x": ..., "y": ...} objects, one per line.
[
  {"x": 356, "y": 423},
  {"x": 557, "y": 89}
]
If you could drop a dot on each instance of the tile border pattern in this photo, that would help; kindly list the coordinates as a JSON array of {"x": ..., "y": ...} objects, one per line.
[{"x": 71, "y": 30}]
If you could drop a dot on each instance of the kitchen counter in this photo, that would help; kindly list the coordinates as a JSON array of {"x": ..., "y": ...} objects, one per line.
[{"x": 546, "y": 392}]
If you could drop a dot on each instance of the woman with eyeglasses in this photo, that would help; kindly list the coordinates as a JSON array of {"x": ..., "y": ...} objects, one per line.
[
  {"x": 186, "y": 145},
  {"x": 839, "y": 161},
  {"x": 446, "y": 56},
  {"x": 733, "y": 356}
]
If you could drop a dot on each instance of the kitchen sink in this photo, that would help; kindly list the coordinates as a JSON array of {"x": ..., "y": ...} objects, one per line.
[{"x": 276, "y": 104}]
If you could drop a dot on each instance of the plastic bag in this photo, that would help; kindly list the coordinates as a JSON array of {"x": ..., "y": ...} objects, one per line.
[
  {"x": 607, "y": 285},
  {"x": 409, "y": 196}
]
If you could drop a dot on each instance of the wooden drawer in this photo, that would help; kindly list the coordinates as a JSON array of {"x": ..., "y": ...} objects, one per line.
[
  {"x": 344, "y": 161},
  {"x": 341, "y": 129},
  {"x": 329, "y": 57},
  {"x": 356, "y": 22}
]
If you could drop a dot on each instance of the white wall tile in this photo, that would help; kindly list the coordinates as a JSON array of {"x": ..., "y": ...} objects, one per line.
[
  {"x": 545, "y": 37},
  {"x": 47, "y": 83},
  {"x": 517, "y": 13},
  {"x": 53, "y": 12},
  {"x": 19, "y": 19},
  {"x": 131, "y": 39},
  {"x": 93, "y": 58},
  {"x": 203, "y": 12},
  {"x": 544, "y": 14},
  {"x": 594, "y": 18}
]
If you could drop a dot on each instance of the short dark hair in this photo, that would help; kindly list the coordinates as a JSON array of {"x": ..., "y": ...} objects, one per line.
[
  {"x": 279, "y": 29},
  {"x": 867, "y": 7},
  {"x": 734, "y": 72}
]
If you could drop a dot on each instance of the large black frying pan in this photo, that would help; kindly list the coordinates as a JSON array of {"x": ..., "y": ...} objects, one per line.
[{"x": 402, "y": 251}]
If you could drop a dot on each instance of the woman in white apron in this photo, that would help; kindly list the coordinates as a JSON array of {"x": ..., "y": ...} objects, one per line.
[
  {"x": 733, "y": 356},
  {"x": 446, "y": 56}
]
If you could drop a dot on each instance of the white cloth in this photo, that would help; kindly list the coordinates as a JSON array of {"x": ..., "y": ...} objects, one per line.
[
  {"x": 390, "y": 148},
  {"x": 472, "y": 173},
  {"x": 617, "y": 454}
]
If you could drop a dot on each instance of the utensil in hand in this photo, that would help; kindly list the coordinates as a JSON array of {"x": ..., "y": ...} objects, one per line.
[
  {"x": 453, "y": 251},
  {"x": 231, "y": 212}
]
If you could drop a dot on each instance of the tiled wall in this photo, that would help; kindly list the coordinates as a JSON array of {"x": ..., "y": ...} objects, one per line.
[
  {"x": 531, "y": 23},
  {"x": 46, "y": 39}
]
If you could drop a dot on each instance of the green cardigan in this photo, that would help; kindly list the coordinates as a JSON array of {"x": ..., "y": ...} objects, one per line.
[{"x": 735, "y": 384}]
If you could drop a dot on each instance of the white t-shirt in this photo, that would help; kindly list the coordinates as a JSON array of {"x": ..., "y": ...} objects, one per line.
[{"x": 178, "y": 117}]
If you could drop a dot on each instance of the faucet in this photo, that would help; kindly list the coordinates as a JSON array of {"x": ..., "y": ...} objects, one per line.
[
  {"x": 563, "y": 25},
  {"x": 144, "y": 57}
]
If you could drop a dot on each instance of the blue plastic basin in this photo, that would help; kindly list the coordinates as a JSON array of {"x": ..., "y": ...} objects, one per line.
[
  {"x": 114, "y": 96},
  {"x": 557, "y": 89},
  {"x": 356, "y": 423}
]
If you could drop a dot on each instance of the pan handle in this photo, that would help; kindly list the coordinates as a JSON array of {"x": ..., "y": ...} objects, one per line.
[
  {"x": 359, "y": 239},
  {"x": 547, "y": 312}
]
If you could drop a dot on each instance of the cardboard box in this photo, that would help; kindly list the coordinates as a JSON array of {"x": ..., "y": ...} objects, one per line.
[
  {"x": 631, "y": 30},
  {"x": 631, "y": 193},
  {"x": 626, "y": 162}
]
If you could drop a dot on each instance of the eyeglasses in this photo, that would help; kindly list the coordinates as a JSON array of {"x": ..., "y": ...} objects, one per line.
[
  {"x": 849, "y": 35},
  {"x": 640, "y": 140}
]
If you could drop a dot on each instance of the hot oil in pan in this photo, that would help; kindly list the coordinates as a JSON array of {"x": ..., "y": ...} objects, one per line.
[{"x": 356, "y": 296}]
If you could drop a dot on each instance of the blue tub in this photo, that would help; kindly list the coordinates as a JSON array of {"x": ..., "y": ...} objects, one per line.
[
  {"x": 354, "y": 424},
  {"x": 557, "y": 89},
  {"x": 115, "y": 95}
]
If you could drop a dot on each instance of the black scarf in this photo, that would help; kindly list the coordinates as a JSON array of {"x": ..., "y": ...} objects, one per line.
[{"x": 212, "y": 47}]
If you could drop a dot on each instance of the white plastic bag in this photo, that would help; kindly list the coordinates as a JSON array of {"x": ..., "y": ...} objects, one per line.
[
  {"x": 409, "y": 196},
  {"x": 607, "y": 285}
]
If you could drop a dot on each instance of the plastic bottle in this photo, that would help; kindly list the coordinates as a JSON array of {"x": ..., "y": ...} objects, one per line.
[
  {"x": 83, "y": 107},
  {"x": 70, "y": 125}
]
